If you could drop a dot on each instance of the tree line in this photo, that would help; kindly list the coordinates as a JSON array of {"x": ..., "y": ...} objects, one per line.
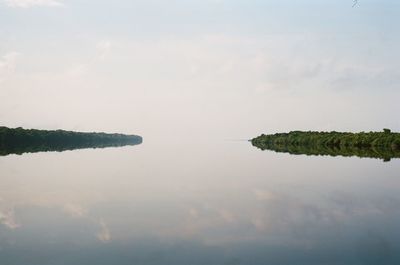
[
  {"x": 384, "y": 145},
  {"x": 19, "y": 140}
]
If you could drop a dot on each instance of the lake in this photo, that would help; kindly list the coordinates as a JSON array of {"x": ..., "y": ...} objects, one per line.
[{"x": 203, "y": 202}]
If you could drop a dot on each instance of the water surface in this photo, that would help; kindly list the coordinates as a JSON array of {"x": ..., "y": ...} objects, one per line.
[{"x": 203, "y": 202}]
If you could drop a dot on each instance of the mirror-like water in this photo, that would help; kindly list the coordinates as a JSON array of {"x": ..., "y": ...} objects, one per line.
[{"x": 218, "y": 202}]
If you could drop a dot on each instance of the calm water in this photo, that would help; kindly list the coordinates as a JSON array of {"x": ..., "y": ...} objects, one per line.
[{"x": 204, "y": 202}]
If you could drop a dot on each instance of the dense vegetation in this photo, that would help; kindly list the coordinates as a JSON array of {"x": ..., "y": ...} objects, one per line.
[
  {"x": 384, "y": 145},
  {"x": 19, "y": 140}
]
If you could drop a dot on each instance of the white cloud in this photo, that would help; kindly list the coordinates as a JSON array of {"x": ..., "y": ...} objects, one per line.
[
  {"x": 78, "y": 70},
  {"x": 104, "y": 234},
  {"x": 74, "y": 210},
  {"x": 7, "y": 218},
  {"x": 7, "y": 64},
  {"x": 102, "y": 49},
  {"x": 31, "y": 3}
]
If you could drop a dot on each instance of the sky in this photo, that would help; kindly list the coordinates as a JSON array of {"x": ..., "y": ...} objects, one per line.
[{"x": 221, "y": 69}]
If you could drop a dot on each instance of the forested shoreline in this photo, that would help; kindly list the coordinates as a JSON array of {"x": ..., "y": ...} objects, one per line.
[
  {"x": 384, "y": 145},
  {"x": 19, "y": 140}
]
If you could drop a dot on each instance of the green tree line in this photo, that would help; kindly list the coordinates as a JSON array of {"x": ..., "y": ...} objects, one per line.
[
  {"x": 384, "y": 145},
  {"x": 19, "y": 140}
]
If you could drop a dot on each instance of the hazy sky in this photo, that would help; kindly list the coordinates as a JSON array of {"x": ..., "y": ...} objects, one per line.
[{"x": 212, "y": 68}]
